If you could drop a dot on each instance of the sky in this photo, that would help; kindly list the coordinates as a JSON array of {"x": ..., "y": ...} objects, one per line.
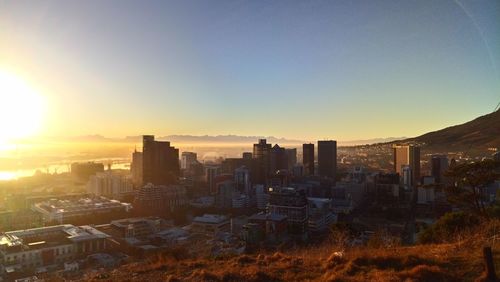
[{"x": 307, "y": 70}]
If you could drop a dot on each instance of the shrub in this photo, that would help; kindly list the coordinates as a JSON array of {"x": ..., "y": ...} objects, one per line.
[{"x": 448, "y": 226}]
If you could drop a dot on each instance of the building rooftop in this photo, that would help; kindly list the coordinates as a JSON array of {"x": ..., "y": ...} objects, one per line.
[
  {"x": 70, "y": 205},
  {"x": 210, "y": 218},
  {"x": 264, "y": 216},
  {"x": 36, "y": 238}
]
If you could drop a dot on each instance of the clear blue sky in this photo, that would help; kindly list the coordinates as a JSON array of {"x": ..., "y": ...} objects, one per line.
[{"x": 297, "y": 69}]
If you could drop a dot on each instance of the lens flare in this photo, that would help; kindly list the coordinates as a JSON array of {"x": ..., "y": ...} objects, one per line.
[{"x": 21, "y": 109}]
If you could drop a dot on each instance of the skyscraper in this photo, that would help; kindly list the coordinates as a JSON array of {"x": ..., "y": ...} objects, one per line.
[
  {"x": 327, "y": 159},
  {"x": 439, "y": 166},
  {"x": 136, "y": 168},
  {"x": 261, "y": 153},
  {"x": 278, "y": 159},
  {"x": 242, "y": 180},
  {"x": 308, "y": 158},
  {"x": 188, "y": 159},
  {"x": 160, "y": 162},
  {"x": 211, "y": 173},
  {"x": 407, "y": 155},
  {"x": 292, "y": 158}
]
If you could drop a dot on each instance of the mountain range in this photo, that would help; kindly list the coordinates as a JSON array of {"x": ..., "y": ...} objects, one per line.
[{"x": 480, "y": 133}]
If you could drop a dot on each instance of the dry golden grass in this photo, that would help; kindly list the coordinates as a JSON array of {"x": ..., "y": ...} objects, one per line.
[{"x": 457, "y": 261}]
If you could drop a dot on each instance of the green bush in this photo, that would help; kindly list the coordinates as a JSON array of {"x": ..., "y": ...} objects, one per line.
[{"x": 448, "y": 227}]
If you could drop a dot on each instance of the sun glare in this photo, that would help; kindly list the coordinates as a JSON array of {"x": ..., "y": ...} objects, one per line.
[{"x": 21, "y": 109}]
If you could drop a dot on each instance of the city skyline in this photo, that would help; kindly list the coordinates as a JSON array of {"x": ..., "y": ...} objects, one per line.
[{"x": 249, "y": 68}]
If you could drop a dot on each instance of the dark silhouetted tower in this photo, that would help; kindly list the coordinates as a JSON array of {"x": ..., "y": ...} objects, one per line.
[
  {"x": 160, "y": 162},
  {"x": 292, "y": 158},
  {"x": 308, "y": 158},
  {"x": 327, "y": 159},
  {"x": 439, "y": 166},
  {"x": 261, "y": 154}
]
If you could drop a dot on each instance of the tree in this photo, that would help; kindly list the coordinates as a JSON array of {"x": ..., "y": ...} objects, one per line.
[{"x": 469, "y": 182}]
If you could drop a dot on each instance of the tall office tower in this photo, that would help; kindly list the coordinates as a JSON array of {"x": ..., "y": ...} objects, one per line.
[
  {"x": 160, "y": 163},
  {"x": 308, "y": 158},
  {"x": 439, "y": 166},
  {"x": 292, "y": 158},
  {"x": 136, "y": 168},
  {"x": 407, "y": 155},
  {"x": 327, "y": 159},
  {"x": 211, "y": 172},
  {"x": 188, "y": 159},
  {"x": 407, "y": 176},
  {"x": 242, "y": 180},
  {"x": 261, "y": 153},
  {"x": 278, "y": 159}
]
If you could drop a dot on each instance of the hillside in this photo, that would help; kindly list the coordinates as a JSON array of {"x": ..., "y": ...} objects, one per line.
[
  {"x": 444, "y": 262},
  {"x": 481, "y": 133},
  {"x": 458, "y": 259}
]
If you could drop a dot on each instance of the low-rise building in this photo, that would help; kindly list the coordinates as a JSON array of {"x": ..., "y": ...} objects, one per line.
[
  {"x": 210, "y": 224},
  {"x": 292, "y": 203},
  {"x": 265, "y": 227},
  {"x": 25, "y": 250},
  {"x": 64, "y": 210},
  {"x": 321, "y": 216},
  {"x": 159, "y": 199}
]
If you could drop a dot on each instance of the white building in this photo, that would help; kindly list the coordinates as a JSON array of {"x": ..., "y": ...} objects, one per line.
[{"x": 109, "y": 184}]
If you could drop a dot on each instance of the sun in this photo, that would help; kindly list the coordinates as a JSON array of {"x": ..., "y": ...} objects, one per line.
[{"x": 21, "y": 109}]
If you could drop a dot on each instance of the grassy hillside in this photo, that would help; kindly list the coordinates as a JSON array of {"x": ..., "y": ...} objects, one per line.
[{"x": 460, "y": 260}]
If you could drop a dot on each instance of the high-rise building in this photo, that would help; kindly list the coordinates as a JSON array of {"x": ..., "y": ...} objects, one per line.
[
  {"x": 160, "y": 164},
  {"x": 327, "y": 159},
  {"x": 242, "y": 180},
  {"x": 210, "y": 173},
  {"x": 278, "y": 160},
  {"x": 292, "y": 158},
  {"x": 407, "y": 177},
  {"x": 261, "y": 153},
  {"x": 407, "y": 155},
  {"x": 439, "y": 166},
  {"x": 308, "y": 158},
  {"x": 225, "y": 187},
  {"x": 136, "y": 168},
  {"x": 188, "y": 159}
]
